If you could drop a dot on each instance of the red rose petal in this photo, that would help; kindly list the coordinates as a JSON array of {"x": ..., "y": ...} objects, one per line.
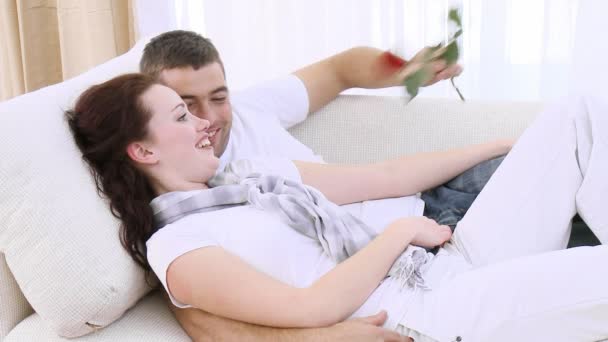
[{"x": 392, "y": 60}]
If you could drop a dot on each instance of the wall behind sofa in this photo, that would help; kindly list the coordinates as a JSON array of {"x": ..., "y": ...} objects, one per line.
[{"x": 513, "y": 49}]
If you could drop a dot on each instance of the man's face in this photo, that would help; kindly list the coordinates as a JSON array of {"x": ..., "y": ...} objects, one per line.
[{"x": 205, "y": 93}]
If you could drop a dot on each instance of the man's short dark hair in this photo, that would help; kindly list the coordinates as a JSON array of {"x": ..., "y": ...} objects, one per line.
[{"x": 178, "y": 49}]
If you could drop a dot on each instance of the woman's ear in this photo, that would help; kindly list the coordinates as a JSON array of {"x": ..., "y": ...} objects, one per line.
[{"x": 138, "y": 152}]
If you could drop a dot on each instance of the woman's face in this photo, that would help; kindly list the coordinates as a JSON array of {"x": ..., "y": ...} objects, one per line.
[{"x": 177, "y": 140}]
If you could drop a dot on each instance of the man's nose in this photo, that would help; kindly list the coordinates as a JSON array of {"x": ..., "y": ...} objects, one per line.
[
  {"x": 202, "y": 124},
  {"x": 204, "y": 112}
]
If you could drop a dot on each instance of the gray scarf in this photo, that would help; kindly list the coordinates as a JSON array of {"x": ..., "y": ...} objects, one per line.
[{"x": 302, "y": 207}]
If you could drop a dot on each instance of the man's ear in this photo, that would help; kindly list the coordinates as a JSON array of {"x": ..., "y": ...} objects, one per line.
[{"x": 138, "y": 152}]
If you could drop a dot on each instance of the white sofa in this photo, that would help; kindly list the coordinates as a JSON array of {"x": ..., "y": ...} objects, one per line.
[{"x": 62, "y": 271}]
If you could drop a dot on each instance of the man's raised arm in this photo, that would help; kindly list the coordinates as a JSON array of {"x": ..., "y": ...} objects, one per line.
[
  {"x": 363, "y": 67},
  {"x": 202, "y": 326}
]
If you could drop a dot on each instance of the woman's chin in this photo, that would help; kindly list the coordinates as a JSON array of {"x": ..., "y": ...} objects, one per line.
[
  {"x": 211, "y": 170},
  {"x": 216, "y": 164}
]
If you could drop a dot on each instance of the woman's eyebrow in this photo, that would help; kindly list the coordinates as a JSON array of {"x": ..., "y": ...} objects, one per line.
[{"x": 176, "y": 107}]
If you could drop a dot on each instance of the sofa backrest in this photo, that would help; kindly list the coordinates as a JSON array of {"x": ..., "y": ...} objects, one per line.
[{"x": 358, "y": 128}]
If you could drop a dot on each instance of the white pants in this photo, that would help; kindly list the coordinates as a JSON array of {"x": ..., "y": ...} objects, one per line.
[{"x": 522, "y": 285}]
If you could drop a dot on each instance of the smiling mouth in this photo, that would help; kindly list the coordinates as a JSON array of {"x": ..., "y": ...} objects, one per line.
[
  {"x": 212, "y": 135},
  {"x": 203, "y": 143}
]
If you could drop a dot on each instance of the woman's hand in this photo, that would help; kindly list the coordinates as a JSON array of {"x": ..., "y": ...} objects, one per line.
[
  {"x": 426, "y": 232},
  {"x": 431, "y": 234}
]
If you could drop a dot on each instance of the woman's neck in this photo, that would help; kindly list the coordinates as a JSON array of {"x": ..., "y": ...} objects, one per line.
[{"x": 169, "y": 184}]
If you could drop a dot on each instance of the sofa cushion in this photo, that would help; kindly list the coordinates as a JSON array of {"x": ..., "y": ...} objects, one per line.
[
  {"x": 13, "y": 305},
  {"x": 150, "y": 321},
  {"x": 60, "y": 241}
]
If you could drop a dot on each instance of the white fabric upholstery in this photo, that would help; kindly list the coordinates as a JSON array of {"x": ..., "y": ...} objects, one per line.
[
  {"x": 59, "y": 239},
  {"x": 149, "y": 321},
  {"x": 356, "y": 129},
  {"x": 13, "y": 306}
]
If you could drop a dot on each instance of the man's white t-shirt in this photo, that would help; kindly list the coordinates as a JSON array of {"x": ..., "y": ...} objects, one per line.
[{"x": 260, "y": 118}]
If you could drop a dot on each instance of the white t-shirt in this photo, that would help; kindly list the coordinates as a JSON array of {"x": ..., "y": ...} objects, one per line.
[
  {"x": 264, "y": 241},
  {"x": 260, "y": 117}
]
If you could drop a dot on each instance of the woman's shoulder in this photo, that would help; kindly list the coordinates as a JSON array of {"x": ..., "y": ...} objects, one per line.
[
  {"x": 203, "y": 223},
  {"x": 196, "y": 231},
  {"x": 212, "y": 225}
]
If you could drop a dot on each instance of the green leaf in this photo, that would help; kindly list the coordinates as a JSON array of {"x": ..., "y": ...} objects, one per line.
[
  {"x": 451, "y": 53},
  {"x": 454, "y": 16},
  {"x": 415, "y": 81}
]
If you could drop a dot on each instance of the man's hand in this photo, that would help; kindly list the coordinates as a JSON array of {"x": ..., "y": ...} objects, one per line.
[
  {"x": 202, "y": 326},
  {"x": 366, "y": 329},
  {"x": 437, "y": 69}
]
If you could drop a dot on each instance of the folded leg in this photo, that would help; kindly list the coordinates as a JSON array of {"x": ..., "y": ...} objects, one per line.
[
  {"x": 449, "y": 202},
  {"x": 559, "y": 166}
]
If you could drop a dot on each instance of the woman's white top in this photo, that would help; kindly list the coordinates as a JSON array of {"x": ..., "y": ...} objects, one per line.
[{"x": 264, "y": 241}]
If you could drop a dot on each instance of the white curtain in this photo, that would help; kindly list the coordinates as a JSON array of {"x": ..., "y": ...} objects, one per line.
[{"x": 511, "y": 49}]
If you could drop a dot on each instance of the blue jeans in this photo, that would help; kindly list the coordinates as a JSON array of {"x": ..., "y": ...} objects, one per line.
[{"x": 448, "y": 203}]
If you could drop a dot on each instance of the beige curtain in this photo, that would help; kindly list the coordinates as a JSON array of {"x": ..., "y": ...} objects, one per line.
[{"x": 43, "y": 42}]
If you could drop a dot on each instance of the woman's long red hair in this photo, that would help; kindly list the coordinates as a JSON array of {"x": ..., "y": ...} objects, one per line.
[{"x": 106, "y": 118}]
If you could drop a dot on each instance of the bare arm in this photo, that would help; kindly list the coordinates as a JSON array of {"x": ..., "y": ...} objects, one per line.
[
  {"x": 360, "y": 67},
  {"x": 221, "y": 283},
  {"x": 397, "y": 177},
  {"x": 202, "y": 326}
]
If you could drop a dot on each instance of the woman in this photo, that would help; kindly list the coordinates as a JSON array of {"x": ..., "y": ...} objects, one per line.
[{"x": 304, "y": 262}]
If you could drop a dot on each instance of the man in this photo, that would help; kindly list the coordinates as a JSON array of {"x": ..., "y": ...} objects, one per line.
[{"x": 253, "y": 123}]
